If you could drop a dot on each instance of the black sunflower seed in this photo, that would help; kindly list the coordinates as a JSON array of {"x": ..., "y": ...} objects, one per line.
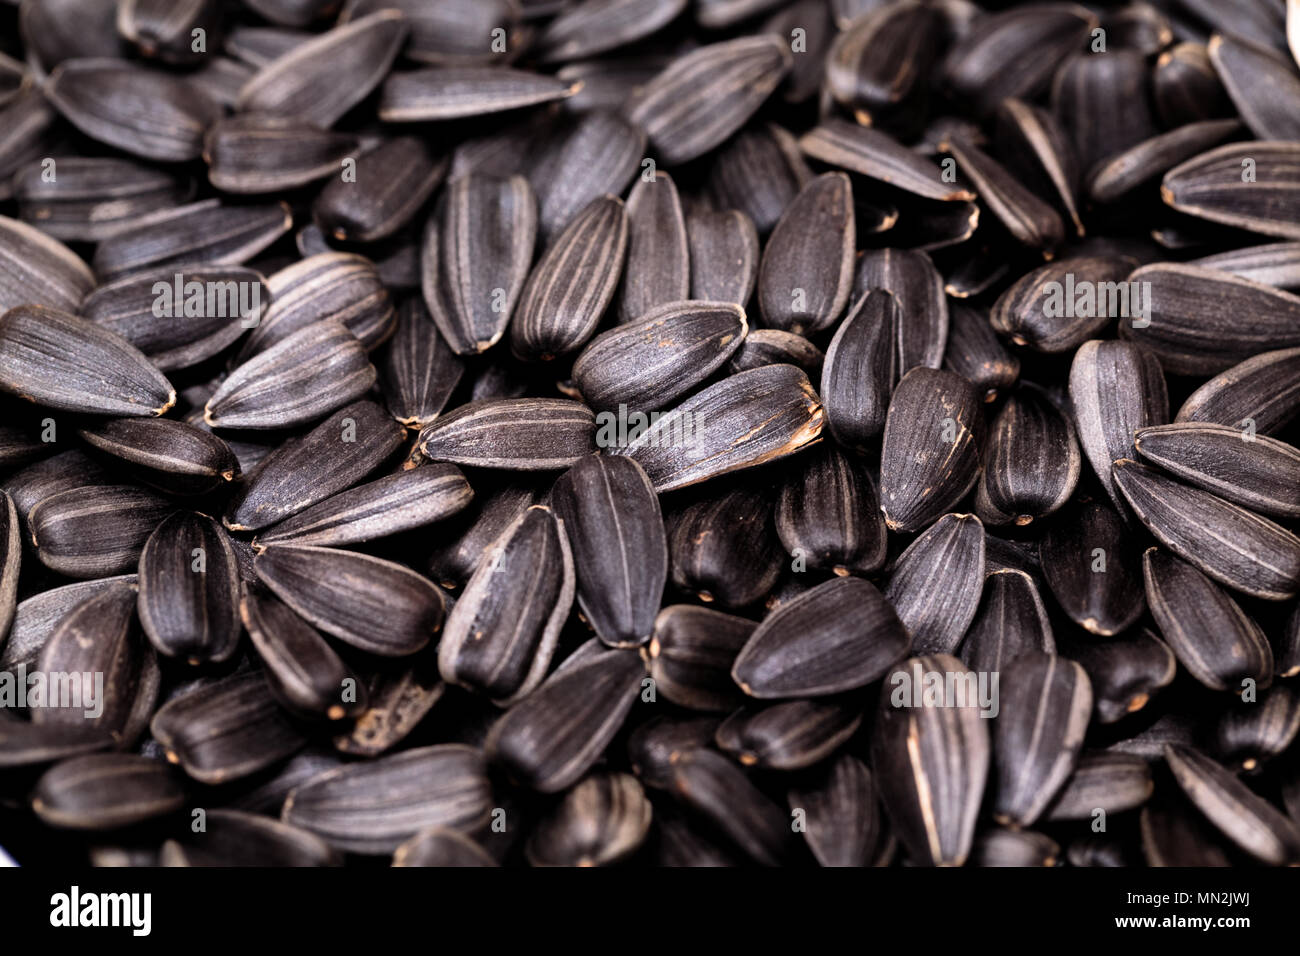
[
  {"x": 1236, "y": 547},
  {"x": 717, "y": 790},
  {"x": 27, "y": 126},
  {"x": 723, "y": 255},
  {"x": 37, "y": 617},
  {"x": 372, "y": 808},
  {"x": 258, "y": 46},
  {"x": 38, "y": 269},
  {"x": 611, "y": 516},
  {"x": 744, "y": 420},
  {"x": 691, "y": 654},
  {"x": 235, "y": 838},
  {"x": 303, "y": 671},
  {"x": 1090, "y": 563},
  {"x": 456, "y": 92},
  {"x": 1216, "y": 642},
  {"x": 658, "y": 255},
  {"x": 1261, "y": 393},
  {"x": 1044, "y": 311},
  {"x": 1034, "y": 145},
  {"x": 441, "y": 846},
  {"x": 724, "y": 547},
  {"x": 475, "y": 258},
  {"x": 502, "y": 632},
  {"x": 1123, "y": 172},
  {"x": 807, "y": 269},
  {"x": 654, "y": 747},
  {"x": 922, "y": 331},
  {"x": 650, "y": 363},
  {"x": 1176, "y": 834},
  {"x": 379, "y": 606},
  {"x": 790, "y": 735},
  {"x": 774, "y": 347},
  {"x": 1011, "y": 622},
  {"x": 758, "y": 171},
  {"x": 398, "y": 700},
  {"x": 388, "y": 186},
  {"x": 94, "y": 532},
  {"x": 252, "y": 153},
  {"x": 189, "y": 589},
  {"x": 516, "y": 434},
  {"x": 1262, "y": 84},
  {"x": 1029, "y": 219},
  {"x": 320, "y": 80},
  {"x": 877, "y": 155},
  {"x": 1044, "y": 709},
  {"x": 1186, "y": 88},
  {"x": 216, "y": 303},
  {"x": 936, "y": 583},
  {"x": 1031, "y": 460},
  {"x": 165, "y": 30},
  {"x": 1276, "y": 263},
  {"x": 24, "y": 744},
  {"x": 579, "y": 162},
  {"x": 1115, "y": 389},
  {"x": 1286, "y": 653},
  {"x": 930, "y": 758},
  {"x": 828, "y": 515},
  {"x": 419, "y": 369},
  {"x": 1251, "y": 185},
  {"x": 814, "y": 18},
  {"x": 297, "y": 380},
  {"x": 975, "y": 353},
  {"x": 1102, "y": 100},
  {"x": 1248, "y": 820},
  {"x": 206, "y": 232},
  {"x": 588, "y": 29},
  {"x": 226, "y": 729},
  {"x": 600, "y": 821},
  {"x": 1251, "y": 733},
  {"x": 106, "y": 792},
  {"x": 333, "y": 456},
  {"x": 92, "y": 198},
  {"x": 11, "y": 554},
  {"x": 934, "y": 433},
  {"x": 838, "y": 636},
  {"x": 552, "y": 737},
  {"x": 703, "y": 97},
  {"x": 1000, "y": 846},
  {"x": 142, "y": 111},
  {"x": 1124, "y": 672},
  {"x": 875, "y": 65},
  {"x": 170, "y": 455},
  {"x": 843, "y": 825}
]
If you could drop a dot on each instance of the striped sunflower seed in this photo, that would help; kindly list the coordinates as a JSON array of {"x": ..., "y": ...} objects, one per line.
[
  {"x": 1102, "y": 100},
  {"x": 235, "y": 838},
  {"x": 24, "y": 744},
  {"x": 189, "y": 590},
  {"x": 922, "y": 332},
  {"x": 936, "y": 583},
  {"x": 252, "y": 153},
  {"x": 391, "y": 183},
  {"x": 1039, "y": 152},
  {"x": 718, "y": 791},
  {"x": 106, "y": 792},
  {"x": 790, "y": 735},
  {"x": 828, "y": 515},
  {"x": 11, "y": 557},
  {"x": 758, "y": 171},
  {"x": 602, "y": 820},
  {"x": 586, "y": 30},
  {"x": 1011, "y": 622},
  {"x": 879, "y": 156},
  {"x": 843, "y": 825},
  {"x": 515, "y": 434},
  {"x": 1031, "y": 461},
  {"x": 1030, "y": 312},
  {"x": 1090, "y": 564},
  {"x": 456, "y": 92},
  {"x": 658, "y": 255},
  {"x": 1186, "y": 88},
  {"x": 1262, "y": 392},
  {"x": 398, "y": 700},
  {"x": 37, "y": 617},
  {"x": 1124, "y": 672},
  {"x": 1260, "y": 82},
  {"x": 999, "y": 846},
  {"x": 419, "y": 370},
  {"x": 95, "y": 532},
  {"x": 655, "y": 746},
  {"x": 1211, "y": 187},
  {"x": 975, "y": 353},
  {"x": 441, "y": 846},
  {"x": 1027, "y": 218},
  {"x": 1275, "y": 263},
  {"x": 169, "y": 455},
  {"x": 378, "y": 606},
  {"x": 1250, "y": 734},
  {"x": 691, "y": 654},
  {"x": 774, "y": 347},
  {"x": 723, "y": 255},
  {"x": 38, "y": 269},
  {"x": 874, "y": 67},
  {"x": 580, "y": 161},
  {"x": 165, "y": 30}
]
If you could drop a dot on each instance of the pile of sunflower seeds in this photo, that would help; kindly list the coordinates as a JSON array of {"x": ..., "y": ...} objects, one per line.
[{"x": 665, "y": 432}]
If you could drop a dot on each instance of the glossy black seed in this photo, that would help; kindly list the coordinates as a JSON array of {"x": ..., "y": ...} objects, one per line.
[
  {"x": 724, "y": 547},
  {"x": 1011, "y": 622},
  {"x": 936, "y": 583}
]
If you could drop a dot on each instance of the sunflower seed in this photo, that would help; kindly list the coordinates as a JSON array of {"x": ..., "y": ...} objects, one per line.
[
  {"x": 724, "y": 547},
  {"x": 419, "y": 370},
  {"x": 975, "y": 353},
  {"x": 37, "y": 617},
  {"x": 205, "y": 232},
  {"x": 1234, "y": 546},
  {"x": 455, "y": 92},
  {"x": 441, "y": 846},
  {"x": 742, "y": 421},
  {"x": 573, "y": 282},
  {"x": 1174, "y": 834},
  {"x": 373, "y": 808},
  {"x": 226, "y": 730},
  {"x": 691, "y": 654},
  {"x": 1043, "y": 311},
  {"x": 1043, "y": 715},
  {"x": 1031, "y": 461},
  {"x": 1102, "y": 101},
  {"x": 588, "y": 29},
  {"x": 581, "y": 161},
  {"x": 1124, "y": 171},
  {"x": 831, "y": 649},
  {"x": 1276, "y": 264},
  {"x": 24, "y": 744},
  {"x": 658, "y": 257},
  {"x": 829, "y": 515},
  {"x": 302, "y": 377},
  {"x": 879, "y": 156},
  {"x": 1249, "y": 734},
  {"x": 1186, "y": 87},
  {"x": 11, "y": 554},
  {"x": 28, "y": 125},
  {"x": 655, "y": 747},
  {"x": 1286, "y": 654},
  {"x": 1034, "y": 145},
  {"x": 378, "y": 606},
  {"x": 922, "y": 330},
  {"x": 999, "y": 846},
  {"x": 600, "y": 821},
  {"x": 1090, "y": 564},
  {"x": 92, "y": 198},
  {"x": 252, "y": 153},
  {"x": 652, "y": 362},
  {"x": 1216, "y": 642},
  {"x": 516, "y": 434},
  {"x": 701, "y": 98},
  {"x": 930, "y": 459},
  {"x": 759, "y": 171},
  {"x": 552, "y": 737},
  {"x": 234, "y": 838},
  {"x": 1029, "y": 219},
  {"x": 105, "y": 792},
  {"x": 875, "y": 65},
  {"x": 1249, "y": 185},
  {"x": 398, "y": 700},
  {"x": 1262, "y": 84},
  {"x": 452, "y": 562},
  {"x": 1011, "y": 622},
  {"x": 320, "y": 80},
  {"x": 790, "y": 735},
  {"x": 930, "y": 762},
  {"x": 95, "y": 532},
  {"x": 951, "y": 551},
  {"x": 133, "y": 108},
  {"x": 39, "y": 269},
  {"x": 1247, "y": 820},
  {"x": 1124, "y": 672},
  {"x": 259, "y": 46},
  {"x": 1116, "y": 388},
  {"x": 390, "y": 184},
  {"x": 718, "y": 791},
  {"x": 723, "y": 255},
  {"x": 843, "y": 823},
  {"x": 1262, "y": 392},
  {"x": 169, "y": 455},
  {"x": 773, "y": 347}
]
